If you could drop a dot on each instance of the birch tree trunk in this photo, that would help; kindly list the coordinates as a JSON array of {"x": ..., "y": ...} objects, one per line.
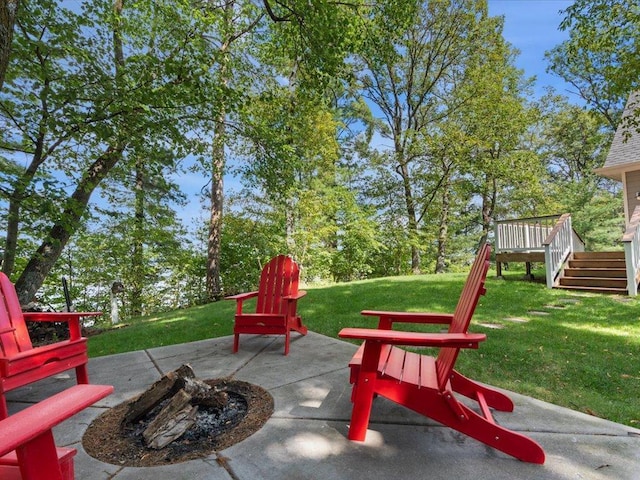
[{"x": 214, "y": 282}]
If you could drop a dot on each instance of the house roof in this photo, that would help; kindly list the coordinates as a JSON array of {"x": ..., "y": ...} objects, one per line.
[{"x": 624, "y": 154}]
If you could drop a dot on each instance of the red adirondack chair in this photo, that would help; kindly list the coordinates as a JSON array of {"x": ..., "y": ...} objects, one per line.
[
  {"x": 276, "y": 306},
  {"x": 20, "y": 362},
  {"x": 27, "y": 448},
  {"x": 429, "y": 385}
]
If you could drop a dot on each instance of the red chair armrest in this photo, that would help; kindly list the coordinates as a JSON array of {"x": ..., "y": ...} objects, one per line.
[
  {"x": 58, "y": 316},
  {"x": 414, "y": 339},
  {"x": 242, "y": 296},
  {"x": 386, "y": 319},
  {"x": 296, "y": 296},
  {"x": 42, "y": 350},
  {"x": 33, "y": 421}
]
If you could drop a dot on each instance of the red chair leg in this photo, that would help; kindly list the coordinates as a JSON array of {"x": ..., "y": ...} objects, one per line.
[
  {"x": 82, "y": 374},
  {"x": 4, "y": 412},
  {"x": 287, "y": 336},
  {"x": 362, "y": 402},
  {"x": 38, "y": 459}
]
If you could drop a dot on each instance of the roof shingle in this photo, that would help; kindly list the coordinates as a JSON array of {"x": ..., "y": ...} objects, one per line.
[{"x": 625, "y": 147}]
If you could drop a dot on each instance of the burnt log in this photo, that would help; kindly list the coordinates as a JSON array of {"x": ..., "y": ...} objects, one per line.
[
  {"x": 196, "y": 388},
  {"x": 164, "y": 388},
  {"x": 167, "y": 409},
  {"x": 174, "y": 419}
]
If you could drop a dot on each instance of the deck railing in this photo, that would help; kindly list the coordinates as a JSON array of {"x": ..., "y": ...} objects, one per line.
[
  {"x": 558, "y": 246},
  {"x": 523, "y": 234},
  {"x": 631, "y": 241},
  {"x": 552, "y": 235}
]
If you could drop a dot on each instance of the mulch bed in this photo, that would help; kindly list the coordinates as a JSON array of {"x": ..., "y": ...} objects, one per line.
[
  {"x": 43, "y": 333},
  {"x": 107, "y": 440}
]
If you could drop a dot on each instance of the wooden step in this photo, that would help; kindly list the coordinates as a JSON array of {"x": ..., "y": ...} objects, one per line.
[
  {"x": 596, "y": 272},
  {"x": 599, "y": 272},
  {"x": 599, "y": 255},
  {"x": 618, "y": 291},
  {"x": 596, "y": 263},
  {"x": 594, "y": 282}
]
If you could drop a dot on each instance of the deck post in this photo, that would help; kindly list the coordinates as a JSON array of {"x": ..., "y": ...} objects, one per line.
[
  {"x": 631, "y": 242},
  {"x": 548, "y": 266}
]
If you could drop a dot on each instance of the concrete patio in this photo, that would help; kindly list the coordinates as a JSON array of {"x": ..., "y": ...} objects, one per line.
[{"x": 306, "y": 437}]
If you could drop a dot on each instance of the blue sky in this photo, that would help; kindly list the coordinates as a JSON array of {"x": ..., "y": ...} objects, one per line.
[{"x": 532, "y": 27}]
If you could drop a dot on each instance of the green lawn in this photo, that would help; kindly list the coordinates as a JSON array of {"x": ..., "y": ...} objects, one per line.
[{"x": 580, "y": 351}]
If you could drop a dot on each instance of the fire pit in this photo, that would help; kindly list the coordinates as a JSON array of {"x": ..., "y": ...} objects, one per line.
[{"x": 178, "y": 418}]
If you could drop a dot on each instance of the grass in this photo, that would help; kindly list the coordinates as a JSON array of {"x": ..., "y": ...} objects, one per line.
[{"x": 578, "y": 350}]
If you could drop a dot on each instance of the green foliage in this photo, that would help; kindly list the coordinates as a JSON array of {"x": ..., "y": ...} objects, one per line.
[
  {"x": 173, "y": 272},
  {"x": 596, "y": 214},
  {"x": 370, "y": 137},
  {"x": 314, "y": 38},
  {"x": 573, "y": 143},
  {"x": 357, "y": 243},
  {"x": 295, "y": 162},
  {"x": 247, "y": 245},
  {"x": 453, "y": 118},
  {"x": 601, "y": 56},
  {"x": 76, "y": 107}
]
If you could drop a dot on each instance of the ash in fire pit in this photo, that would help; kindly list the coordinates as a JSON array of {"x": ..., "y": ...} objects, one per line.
[{"x": 178, "y": 418}]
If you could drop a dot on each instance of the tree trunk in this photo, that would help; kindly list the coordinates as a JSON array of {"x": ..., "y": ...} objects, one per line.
[
  {"x": 441, "y": 266},
  {"x": 50, "y": 250},
  {"x": 214, "y": 284},
  {"x": 488, "y": 207},
  {"x": 8, "y": 15},
  {"x": 15, "y": 205},
  {"x": 137, "y": 257},
  {"x": 411, "y": 216},
  {"x": 214, "y": 281}
]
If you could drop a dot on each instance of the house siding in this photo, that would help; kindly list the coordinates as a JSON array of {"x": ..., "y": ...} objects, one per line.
[{"x": 632, "y": 187}]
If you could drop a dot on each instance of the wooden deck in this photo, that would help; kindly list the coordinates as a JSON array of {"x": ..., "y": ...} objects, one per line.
[{"x": 527, "y": 257}]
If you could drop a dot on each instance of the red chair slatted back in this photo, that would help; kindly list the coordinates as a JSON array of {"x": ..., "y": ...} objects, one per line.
[
  {"x": 14, "y": 337},
  {"x": 279, "y": 278},
  {"x": 473, "y": 288}
]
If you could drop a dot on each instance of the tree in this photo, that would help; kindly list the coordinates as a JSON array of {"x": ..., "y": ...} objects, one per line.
[
  {"x": 232, "y": 49},
  {"x": 173, "y": 267},
  {"x": 140, "y": 214},
  {"x": 293, "y": 150},
  {"x": 250, "y": 238},
  {"x": 493, "y": 125},
  {"x": 601, "y": 58},
  {"x": 573, "y": 143},
  {"x": 416, "y": 59},
  {"x": 69, "y": 100},
  {"x": 251, "y": 45}
]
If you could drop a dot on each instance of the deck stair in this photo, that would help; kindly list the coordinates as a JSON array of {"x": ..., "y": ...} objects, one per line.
[{"x": 601, "y": 272}]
